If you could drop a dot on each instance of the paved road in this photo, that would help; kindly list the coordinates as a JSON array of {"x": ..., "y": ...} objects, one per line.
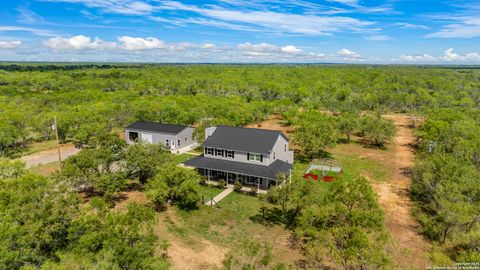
[
  {"x": 49, "y": 156},
  {"x": 219, "y": 197}
]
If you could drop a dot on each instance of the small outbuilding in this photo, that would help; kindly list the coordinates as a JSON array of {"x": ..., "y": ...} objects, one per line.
[{"x": 173, "y": 137}]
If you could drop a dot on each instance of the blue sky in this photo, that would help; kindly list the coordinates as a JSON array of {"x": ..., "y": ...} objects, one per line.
[{"x": 259, "y": 31}]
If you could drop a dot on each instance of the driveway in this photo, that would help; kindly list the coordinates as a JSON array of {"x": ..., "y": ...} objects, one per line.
[{"x": 49, "y": 156}]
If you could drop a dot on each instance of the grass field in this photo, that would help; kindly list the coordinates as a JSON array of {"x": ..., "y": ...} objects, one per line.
[{"x": 46, "y": 169}]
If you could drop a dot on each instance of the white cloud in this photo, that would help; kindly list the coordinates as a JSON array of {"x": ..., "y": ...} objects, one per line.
[
  {"x": 208, "y": 46},
  {"x": 10, "y": 44},
  {"x": 125, "y": 7},
  {"x": 290, "y": 49},
  {"x": 411, "y": 26},
  {"x": 464, "y": 27},
  {"x": 36, "y": 31},
  {"x": 378, "y": 38},
  {"x": 449, "y": 56},
  {"x": 418, "y": 58},
  {"x": 79, "y": 42},
  {"x": 346, "y": 2},
  {"x": 349, "y": 54},
  {"x": 261, "y": 47},
  {"x": 135, "y": 44},
  {"x": 277, "y": 22}
]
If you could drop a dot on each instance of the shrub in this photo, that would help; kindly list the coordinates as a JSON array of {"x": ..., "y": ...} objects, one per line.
[
  {"x": 221, "y": 183},
  {"x": 203, "y": 180},
  {"x": 238, "y": 186},
  {"x": 253, "y": 190}
]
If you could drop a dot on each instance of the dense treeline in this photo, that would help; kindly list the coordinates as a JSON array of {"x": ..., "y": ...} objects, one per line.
[
  {"x": 91, "y": 97},
  {"x": 446, "y": 181}
]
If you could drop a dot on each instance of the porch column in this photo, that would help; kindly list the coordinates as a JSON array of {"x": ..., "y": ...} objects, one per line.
[{"x": 208, "y": 175}]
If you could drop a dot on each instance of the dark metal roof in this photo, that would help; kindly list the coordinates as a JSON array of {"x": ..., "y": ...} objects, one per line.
[
  {"x": 271, "y": 171},
  {"x": 252, "y": 140},
  {"x": 156, "y": 127}
]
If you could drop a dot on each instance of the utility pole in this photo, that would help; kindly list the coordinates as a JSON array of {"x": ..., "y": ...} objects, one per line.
[{"x": 58, "y": 141}]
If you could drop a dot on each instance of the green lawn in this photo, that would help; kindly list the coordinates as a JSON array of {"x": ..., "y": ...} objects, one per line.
[
  {"x": 209, "y": 192},
  {"x": 181, "y": 157},
  {"x": 35, "y": 148}
]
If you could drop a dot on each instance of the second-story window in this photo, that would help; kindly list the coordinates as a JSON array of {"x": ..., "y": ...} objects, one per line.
[
  {"x": 255, "y": 157},
  {"x": 285, "y": 148},
  {"x": 209, "y": 151},
  {"x": 230, "y": 154},
  {"x": 273, "y": 155},
  {"x": 219, "y": 152}
]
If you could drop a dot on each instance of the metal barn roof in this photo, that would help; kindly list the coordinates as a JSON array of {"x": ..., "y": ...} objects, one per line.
[{"x": 156, "y": 127}]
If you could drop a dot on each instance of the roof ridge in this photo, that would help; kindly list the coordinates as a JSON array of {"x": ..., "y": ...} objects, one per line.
[{"x": 261, "y": 129}]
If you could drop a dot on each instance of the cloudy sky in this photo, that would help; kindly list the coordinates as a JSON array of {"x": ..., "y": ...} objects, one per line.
[{"x": 257, "y": 31}]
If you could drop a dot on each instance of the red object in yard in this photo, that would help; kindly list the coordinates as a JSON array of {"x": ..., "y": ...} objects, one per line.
[
  {"x": 310, "y": 176},
  {"x": 328, "y": 178}
]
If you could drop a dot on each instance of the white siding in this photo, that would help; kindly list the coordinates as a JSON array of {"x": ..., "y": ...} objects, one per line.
[{"x": 280, "y": 150}]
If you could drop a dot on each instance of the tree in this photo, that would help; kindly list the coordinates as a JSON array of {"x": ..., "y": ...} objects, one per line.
[
  {"x": 36, "y": 217},
  {"x": 11, "y": 169},
  {"x": 174, "y": 183},
  {"x": 81, "y": 169},
  {"x": 377, "y": 130},
  {"x": 142, "y": 161},
  {"x": 8, "y": 135},
  {"x": 314, "y": 132},
  {"x": 448, "y": 193},
  {"x": 109, "y": 149},
  {"x": 126, "y": 239},
  {"x": 347, "y": 124}
]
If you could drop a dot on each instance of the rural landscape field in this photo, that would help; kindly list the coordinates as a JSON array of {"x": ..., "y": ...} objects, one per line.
[
  {"x": 402, "y": 202},
  {"x": 239, "y": 135}
]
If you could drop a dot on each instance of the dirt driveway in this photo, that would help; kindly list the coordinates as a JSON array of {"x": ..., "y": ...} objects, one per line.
[
  {"x": 49, "y": 156},
  {"x": 394, "y": 198}
]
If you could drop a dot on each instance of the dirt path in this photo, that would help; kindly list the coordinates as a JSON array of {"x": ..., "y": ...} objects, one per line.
[
  {"x": 394, "y": 199},
  {"x": 49, "y": 156}
]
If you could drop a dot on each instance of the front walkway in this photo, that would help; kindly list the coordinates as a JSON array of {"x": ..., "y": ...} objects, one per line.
[
  {"x": 219, "y": 197},
  {"x": 185, "y": 148}
]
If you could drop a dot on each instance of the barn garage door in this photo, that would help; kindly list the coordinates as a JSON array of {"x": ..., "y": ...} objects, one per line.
[{"x": 147, "y": 138}]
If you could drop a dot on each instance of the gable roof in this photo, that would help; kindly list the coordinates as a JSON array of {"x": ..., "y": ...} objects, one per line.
[
  {"x": 156, "y": 127},
  {"x": 252, "y": 140}
]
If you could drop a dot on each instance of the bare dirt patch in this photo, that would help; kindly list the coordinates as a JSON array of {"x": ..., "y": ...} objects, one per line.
[
  {"x": 129, "y": 197},
  {"x": 274, "y": 122},
  {"x": 190, "y": 253}
]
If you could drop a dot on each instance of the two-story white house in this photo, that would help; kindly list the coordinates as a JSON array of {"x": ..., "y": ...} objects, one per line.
[{"x": 252, "y": 156}]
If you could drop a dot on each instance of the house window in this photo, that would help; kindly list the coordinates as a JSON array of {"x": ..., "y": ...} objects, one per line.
[
  {"x": 178, "y": 143},
  {"x": 273, "y": 155},
  {"x": 255, "y": 157},
  {"x": 186, "y": 139},
  {"x": 209, "y": 151},
  {"x": 219, "y": 152},
  {"x": 167, "y": 143},
  {"x": 285, "y": 148},
  {"x": 230, "y": 154},
  {"x": 133, "y": 136}
]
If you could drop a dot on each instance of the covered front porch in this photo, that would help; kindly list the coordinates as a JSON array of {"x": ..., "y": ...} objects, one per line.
[{"x": 230, "y": 178}]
